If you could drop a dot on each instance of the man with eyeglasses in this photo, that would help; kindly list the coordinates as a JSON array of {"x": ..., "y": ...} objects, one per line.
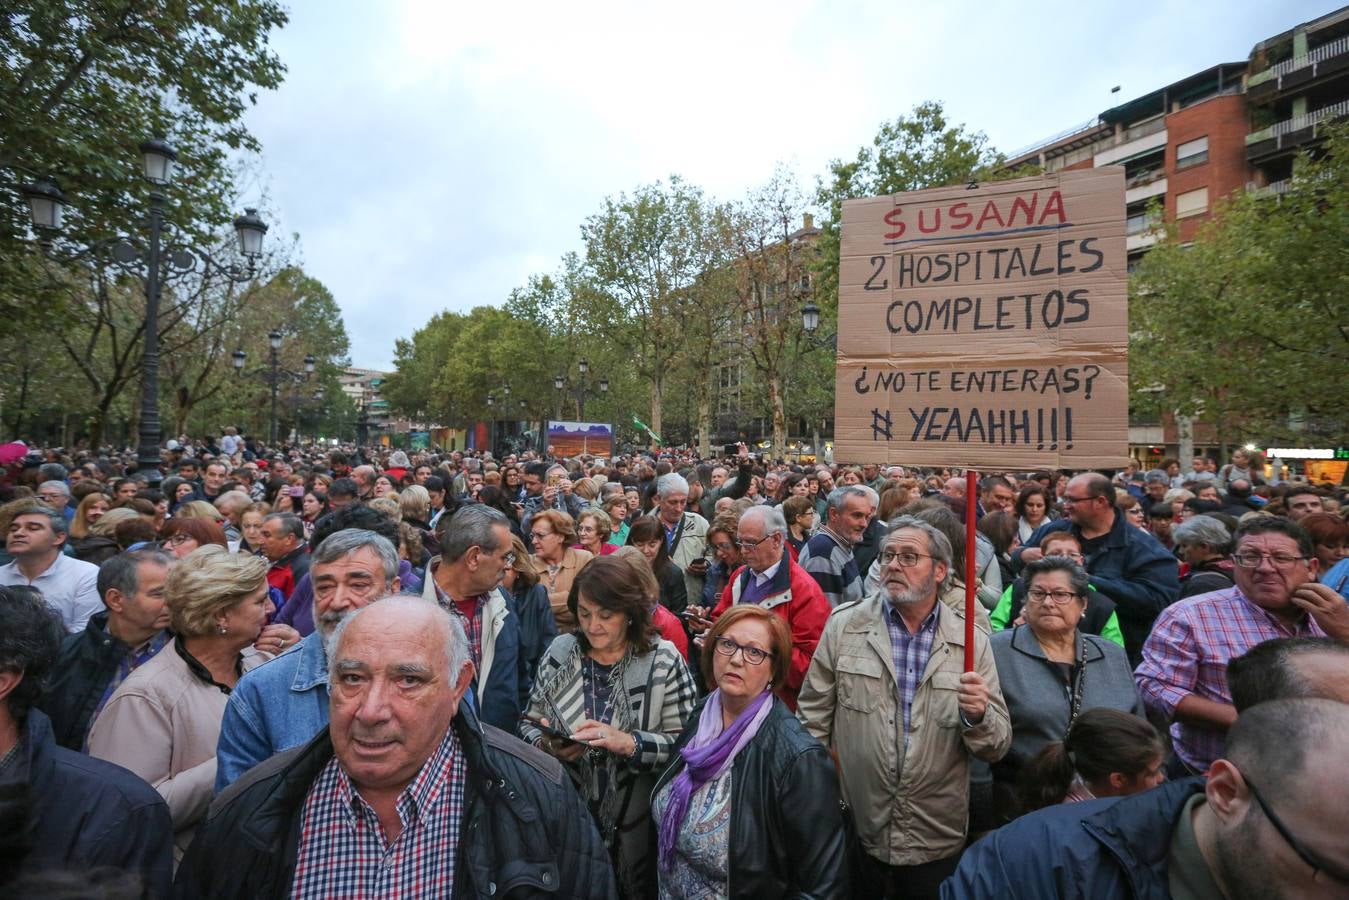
[
  {"x": 1184, "y": 670},
  {"x": 56, "y": 495},
  {"x": 887, "y": 692},
  {"x": 772, "y": 580},
  {"x": 1266, "y": 823},
  {"x": 1128, "y": 565}
]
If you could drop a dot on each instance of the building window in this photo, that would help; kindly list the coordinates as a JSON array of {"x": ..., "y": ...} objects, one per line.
[
  {"x": 1192, "y": 153},
  {"x": 1192, "y": 203}
]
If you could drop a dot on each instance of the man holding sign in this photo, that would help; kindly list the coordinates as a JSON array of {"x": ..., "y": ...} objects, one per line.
[{"x": 887, "y": 694}]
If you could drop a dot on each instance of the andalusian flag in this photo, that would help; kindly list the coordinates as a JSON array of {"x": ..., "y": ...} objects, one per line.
[{"x": 645, "y": 427}]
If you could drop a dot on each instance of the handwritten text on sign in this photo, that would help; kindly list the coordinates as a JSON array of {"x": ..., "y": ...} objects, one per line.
[{"x": 985, "y": 327}]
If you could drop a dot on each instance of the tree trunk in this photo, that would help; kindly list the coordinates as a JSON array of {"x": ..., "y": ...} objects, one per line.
[
  {"x": 1185, "y": 439},
  {"x": 96, "y": 422},
  {"x": 704, "y": 424},
  {"x": 183, "y": 411},
  {"x": 657, "y": 417},
  {"x": 779, "y": 415},
  {"x": 134, "y": 420}
]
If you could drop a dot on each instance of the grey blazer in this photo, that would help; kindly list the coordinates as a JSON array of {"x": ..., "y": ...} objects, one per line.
[{"x": 1039, "y": 701}]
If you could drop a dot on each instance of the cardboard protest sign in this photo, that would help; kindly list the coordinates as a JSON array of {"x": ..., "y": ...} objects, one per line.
[{"x": 986, "y": 326}]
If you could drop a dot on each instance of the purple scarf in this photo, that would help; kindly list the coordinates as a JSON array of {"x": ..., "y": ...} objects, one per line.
[{"x": 706, "y": 756}]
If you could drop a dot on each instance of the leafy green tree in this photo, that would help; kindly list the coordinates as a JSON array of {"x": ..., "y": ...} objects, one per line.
[
  {"x": 1247, "y": 325},
  {"x": 771, "y": 284},
  {"x": 920, "y": 150},
  {"x": 203, "y": 378},
  {"x": 82, "y": 83},
  {"x": 645, "y": 251}
]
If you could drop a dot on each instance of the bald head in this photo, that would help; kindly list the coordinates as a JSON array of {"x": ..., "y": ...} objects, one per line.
[{"x": 397, "y": 671}]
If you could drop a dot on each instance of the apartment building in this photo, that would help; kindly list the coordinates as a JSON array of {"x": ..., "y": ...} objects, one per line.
[{"x": 1233, "y": 126}]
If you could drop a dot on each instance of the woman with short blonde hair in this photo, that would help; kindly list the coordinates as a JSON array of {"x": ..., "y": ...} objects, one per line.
[
  {"x": 163, "y": 722},
  {"x": 414, "y": 501}
]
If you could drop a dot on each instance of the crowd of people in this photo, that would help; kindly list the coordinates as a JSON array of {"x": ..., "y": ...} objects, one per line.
[{"x": 359, "y": 672}]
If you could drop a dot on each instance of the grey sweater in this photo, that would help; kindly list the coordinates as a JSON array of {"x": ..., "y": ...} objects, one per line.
[{"x": 1037, "y": 698}]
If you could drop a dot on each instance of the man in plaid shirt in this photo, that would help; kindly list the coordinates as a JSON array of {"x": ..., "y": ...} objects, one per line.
[
  {"x": 1184, "y": 668},
  {"x": 405, "y": 794}
]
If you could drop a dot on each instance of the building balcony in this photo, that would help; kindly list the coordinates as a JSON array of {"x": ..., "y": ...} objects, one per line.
[
  {"x": 1152, "y": 186},
  {"x": 1298, "y": 72},
  {"x": 1283, "y": 137},
  {"x": 1154, "y": 136},
  {"x": 1141, "y": 241}
]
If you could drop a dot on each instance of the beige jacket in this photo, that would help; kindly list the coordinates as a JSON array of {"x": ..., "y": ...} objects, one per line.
[
  {"x": 559, "y": 585},
  {"x": 910, "y": 806},
  {"x": 692, "y": 544},
  {"x": 163, "y": 723}
]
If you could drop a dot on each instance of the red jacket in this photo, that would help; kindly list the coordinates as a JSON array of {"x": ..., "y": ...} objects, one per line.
[
  {"x": 671, "y": 629},
  {"x": 795, "y": 596}
]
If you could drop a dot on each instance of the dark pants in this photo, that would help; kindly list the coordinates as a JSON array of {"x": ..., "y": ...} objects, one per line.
[{"x": 920, "y": 882}]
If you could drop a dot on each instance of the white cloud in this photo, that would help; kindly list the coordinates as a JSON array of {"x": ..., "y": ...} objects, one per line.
[{"x": 434, "y": 155}]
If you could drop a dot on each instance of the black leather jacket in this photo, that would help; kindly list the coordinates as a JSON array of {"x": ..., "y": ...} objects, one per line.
[
  {"x": 88, "y": 661},
  {"x": 525, "y": 832},
  {"x": 787, "y": 831}
]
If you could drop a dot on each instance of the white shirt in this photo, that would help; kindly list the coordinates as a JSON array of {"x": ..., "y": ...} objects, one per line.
[
  {"x": 69, "y": 586},
  {"x": 767, "y": 574},
  {"x": 230, "y": 443}
]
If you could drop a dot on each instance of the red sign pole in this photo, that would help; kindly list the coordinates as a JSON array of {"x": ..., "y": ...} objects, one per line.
[{"x": 971, "y": 498}]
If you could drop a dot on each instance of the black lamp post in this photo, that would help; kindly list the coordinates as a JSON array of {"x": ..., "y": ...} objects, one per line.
[
  {"x": 810, "y": 324},
  {"x": 580, "y": 390},
  {"x": 153, "y": 265},
  {"x": 273, "y": 375}
]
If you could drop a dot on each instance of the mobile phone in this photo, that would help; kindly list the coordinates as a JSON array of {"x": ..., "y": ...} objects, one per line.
[
  {"x": 553, "y": 480},
  {"x": 549, "y": 730},
  {"x": 297, "y": 491},
  {"x": 693, "y": 617}
]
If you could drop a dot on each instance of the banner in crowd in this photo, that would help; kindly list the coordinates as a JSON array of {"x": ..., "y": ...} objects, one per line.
[
  {"x": 575, "y": 438},
  {"x": 986, "y": 326}
]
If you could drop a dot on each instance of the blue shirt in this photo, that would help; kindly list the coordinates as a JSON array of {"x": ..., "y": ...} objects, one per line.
[
  {"x": 1337, "y": 578},
  {"x": 910, "y": 653}
]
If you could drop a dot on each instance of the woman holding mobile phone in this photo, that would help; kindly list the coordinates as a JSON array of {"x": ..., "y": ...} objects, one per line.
[{"x": 622, "y": 695}]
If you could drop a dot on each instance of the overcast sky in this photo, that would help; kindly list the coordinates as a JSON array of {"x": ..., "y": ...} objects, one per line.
[{"x": 433, "y": 155}]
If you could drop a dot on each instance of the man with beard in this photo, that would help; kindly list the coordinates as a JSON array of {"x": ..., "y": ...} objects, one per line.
[
  {"x": 886, "y": 693},
  {"x": 284, "y": 703},
  {"x": 1266, "y": 824}
]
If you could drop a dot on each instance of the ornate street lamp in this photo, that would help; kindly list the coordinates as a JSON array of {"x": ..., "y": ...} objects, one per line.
[{"x": 153, "y": 265}]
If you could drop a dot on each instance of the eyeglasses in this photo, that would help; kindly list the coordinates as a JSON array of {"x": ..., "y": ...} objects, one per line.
[
  {"x": 1058, "y": 598},
  {"x": 1250, "y": 560},
  {"x": 509, "y": 559},
  {"x": 907, "y": 559},
  {"x": 724, "y": 547},
  {"x": 752, "y": 655},
  {"x": 180, "y": 537},
  {"x": 1067, "y": 499},
  {"x": 750, "y": 545},
  {"x": 540, "y": 535},
  {"x": 1302, "y": 852}
]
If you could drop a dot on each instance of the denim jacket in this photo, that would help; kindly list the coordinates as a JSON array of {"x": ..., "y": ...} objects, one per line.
[{"x": 279, "y": 705}]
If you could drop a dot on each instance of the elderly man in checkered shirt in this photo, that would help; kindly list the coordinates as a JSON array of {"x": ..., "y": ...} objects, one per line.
[{"x": 405, "y": 794}]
